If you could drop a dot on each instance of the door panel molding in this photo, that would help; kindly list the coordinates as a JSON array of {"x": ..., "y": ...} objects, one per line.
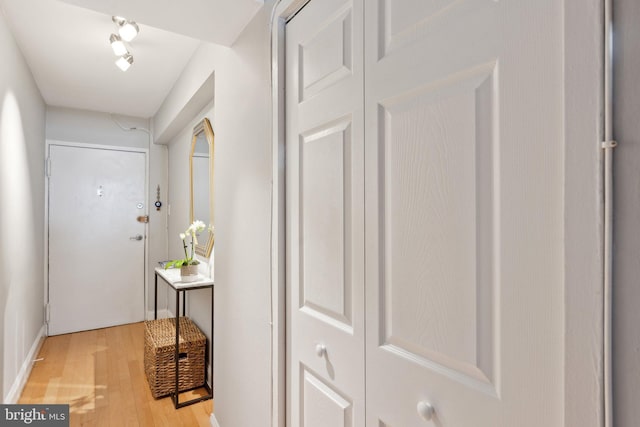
[
  {"x": 327, "y": 151},
  {"x": 318, "y": 73},
  {"x": 336, "y": 409},
  {"x": 453, "y": 176}
]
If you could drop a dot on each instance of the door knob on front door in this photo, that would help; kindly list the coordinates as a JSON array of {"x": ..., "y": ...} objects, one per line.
[
  {"x": 321, "y": 350},
  {"x": 425, "y": 410},
  {"x": 136, "y": 237}
]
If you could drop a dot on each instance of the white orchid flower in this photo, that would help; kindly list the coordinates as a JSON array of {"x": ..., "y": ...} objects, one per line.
[
  {"x": 198, "y": 225},
  {"x": 192, "y": 231}
]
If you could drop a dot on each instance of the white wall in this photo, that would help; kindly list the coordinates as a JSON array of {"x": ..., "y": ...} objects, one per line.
[
  {"x": 626, "y": 272},
  {"x": 92, "y": 127},
  {"x": 190, "y": 93},
  {"x": 243, "y": 222},
  {"x": 89, "y": 127},
  {"x": 242, "y": 368},
  {"x": 22, "y": 136}
]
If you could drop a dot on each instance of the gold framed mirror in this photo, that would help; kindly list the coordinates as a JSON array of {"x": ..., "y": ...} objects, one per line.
[{"x": 201, "y": 181}]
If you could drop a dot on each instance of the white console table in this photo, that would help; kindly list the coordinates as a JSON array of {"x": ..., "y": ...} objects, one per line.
[{"x": 172, "y": 278}]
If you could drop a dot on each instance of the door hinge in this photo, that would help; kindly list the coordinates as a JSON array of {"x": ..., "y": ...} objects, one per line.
[
  {"x": 47, "y": 167},
  {"x": 47, "y": 313}
]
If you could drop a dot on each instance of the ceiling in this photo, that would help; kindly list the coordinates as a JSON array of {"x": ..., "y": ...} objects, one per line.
[{"x": 66, "y": 45}]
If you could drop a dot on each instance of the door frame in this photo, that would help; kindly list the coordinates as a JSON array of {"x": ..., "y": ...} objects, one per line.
[
  {"x": 584, "y": 42},
  {"x": 282, "y": 12},
  {"x": 48, "y": 144}
]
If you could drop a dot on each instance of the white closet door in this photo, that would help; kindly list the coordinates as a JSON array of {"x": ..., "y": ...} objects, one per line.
[
  {"x": 464, "y": 213},
  {"x": 325, "y": 223}
]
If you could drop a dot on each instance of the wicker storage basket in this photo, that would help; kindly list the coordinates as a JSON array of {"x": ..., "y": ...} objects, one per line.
[{"x": 159, "y": 355}]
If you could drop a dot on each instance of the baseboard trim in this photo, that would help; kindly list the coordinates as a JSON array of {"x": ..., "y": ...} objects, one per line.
[
  {"x": 162, "y": 314},
  {"x": 214, "y": 422},
  {"x": 23, "y": 375}
]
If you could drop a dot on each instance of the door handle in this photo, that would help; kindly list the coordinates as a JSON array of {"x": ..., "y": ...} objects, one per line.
[
  {"x": 425, "y": 410},
  {"x": 136, "y": 237}
]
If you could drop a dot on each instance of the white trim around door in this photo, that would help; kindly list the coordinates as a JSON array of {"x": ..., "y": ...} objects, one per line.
[{"x": 282, "y": 12}]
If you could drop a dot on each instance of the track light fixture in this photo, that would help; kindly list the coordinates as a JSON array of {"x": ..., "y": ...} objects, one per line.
[{"x": 128, "y": 30}]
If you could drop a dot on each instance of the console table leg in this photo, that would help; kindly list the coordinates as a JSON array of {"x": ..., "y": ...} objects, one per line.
[
  {"x": 177, "y": 352},
  {"x": 155, "y": 298},
  {"x": 211, "y": 351}
]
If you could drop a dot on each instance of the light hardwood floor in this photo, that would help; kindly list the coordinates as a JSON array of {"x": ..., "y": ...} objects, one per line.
[{"x": 100, "y": 374}]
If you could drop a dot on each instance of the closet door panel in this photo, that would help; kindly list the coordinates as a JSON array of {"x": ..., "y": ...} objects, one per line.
[
  {"x": 463, "y": 213},
  {"x": 325, "y": 215}
]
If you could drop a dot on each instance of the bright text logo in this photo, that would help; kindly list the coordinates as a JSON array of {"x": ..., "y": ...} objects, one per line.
[{"x": 34, "y": 415}]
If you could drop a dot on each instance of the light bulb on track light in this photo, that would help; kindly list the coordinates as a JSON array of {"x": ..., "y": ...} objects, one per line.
[
  {"x": 128, "y": 30},
  {"x": 124, "y": 62},
  {"x": 119, "y": 49}
]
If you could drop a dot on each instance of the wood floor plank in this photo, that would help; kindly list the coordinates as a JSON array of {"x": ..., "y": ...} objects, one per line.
[
  {"x": 100, "y": 374},
  {"x": 170, "y": 412},
  {"x": 143, "y": 409}
]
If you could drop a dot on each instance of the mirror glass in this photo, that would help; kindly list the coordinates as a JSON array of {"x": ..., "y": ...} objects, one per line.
[{"x": 201, "y": 171}]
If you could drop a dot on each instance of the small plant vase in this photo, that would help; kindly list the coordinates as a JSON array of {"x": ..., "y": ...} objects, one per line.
[{"x": 189, "y": 273}]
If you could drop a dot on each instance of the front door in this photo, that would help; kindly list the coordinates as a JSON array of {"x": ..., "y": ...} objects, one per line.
[
  {"x": 325, "y": 227},
  {"x": 96, "y": 245}
]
